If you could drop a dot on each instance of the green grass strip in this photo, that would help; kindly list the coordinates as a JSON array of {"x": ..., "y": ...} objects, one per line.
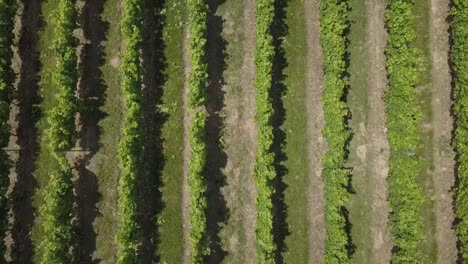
[
  {"x": 333, "y": 24},
  {"x": 295, "y": 125},
  {"x": 170, "y": 221},
  {"x": 7, "y": 15},
  {"x": 56, "y": 211},
  {"x": 403, "y": 118},
  {"x": 264, "y": 171},
  {"x": 196, "y": 99},
  {"x": 129, "y": 150},
  {"x": 459, "y": 58}
]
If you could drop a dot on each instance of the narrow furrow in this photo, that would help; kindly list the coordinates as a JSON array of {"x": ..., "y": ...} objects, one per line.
[
  {"x": 186, "y": 150},
  {"x": 376, "y": 131},
  {"x": 26, "y": 131},
  {"x": 90, "y": 96},
  {"x": 315, "y": 123},
  {"x": 442, "y": 123}
]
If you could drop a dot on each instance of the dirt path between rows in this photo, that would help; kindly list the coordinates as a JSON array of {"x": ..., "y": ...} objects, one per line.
[
  {"x": 186, "y": 151},
  {"x": 240, "y": 139},
  {"x": 21, "y": 250},
  {"x": 442, "y": 124},
  {"x": 315, "y": 123},
  {"x": 90, "y": 94},
  {"x": 376, "y": 132}
]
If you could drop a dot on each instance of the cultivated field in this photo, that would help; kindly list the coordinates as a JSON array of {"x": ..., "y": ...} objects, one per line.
[{"x": 234, "y": 131}]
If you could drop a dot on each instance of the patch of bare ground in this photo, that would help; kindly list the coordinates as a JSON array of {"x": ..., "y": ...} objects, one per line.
[
  {"x": 378, "y": 148},
  {"x": 442, "y": 123},
  {"x": 90, "y": 98},
  {"x": 186, "y": 152},
  {"x": 315, "y": 124},
  {"x": 240, "y": 138},
  {"x": 26, "y": 117}
]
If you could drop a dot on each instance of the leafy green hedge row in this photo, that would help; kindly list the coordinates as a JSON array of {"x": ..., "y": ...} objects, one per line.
[
  {"x": 56, "y": 211},
  {"x": 403, "y": 119},
  {"x": 333, "y": 24},
  {"x": 459, "y": 58},
  {"x": 264, "y": 172},
  {"x": 197, "y": 83},
  {"x": 129, "y": 150},
  {"x": 7, "y": 15}
]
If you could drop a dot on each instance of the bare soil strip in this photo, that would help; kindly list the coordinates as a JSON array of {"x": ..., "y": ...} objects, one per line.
[
  {"x": 90, "y": 95},
  {"x": 250, "y": 127},
  {"x": 26, "y": 132},
  {"x": 186, "y": 152},
  {"x": 376, "y": 132},
  {"x": 442, "y": 124},
  {"x": 240, "y": 138},
  {"x": 315, "y": 123}
]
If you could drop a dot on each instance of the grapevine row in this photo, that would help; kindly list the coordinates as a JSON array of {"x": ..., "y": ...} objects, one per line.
[
  {"x": 7, "y": 14},
  {"x": 403, "y": 118},
  {"x": 333, "y": 24},
  {"x": 129, "y": 149},
  {"x": 459, "y": 58},
  {"x": 264, "y": 171},
  {"x": 196, "y": 100},
  {"x": 56, "y": 211}
]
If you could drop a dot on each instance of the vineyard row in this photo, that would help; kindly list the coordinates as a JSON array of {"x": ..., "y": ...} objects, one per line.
[
  {"x": 56, "y": 211},
  {"x": 459, "y": 59}
]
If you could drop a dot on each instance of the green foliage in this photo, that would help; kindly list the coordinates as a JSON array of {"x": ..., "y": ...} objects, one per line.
[
  {"x": 197, "y": 46},
  {"x": 403, "y": 118},
  {"x": 333, "y": 24},
  {"x": 129, "y": 150},
  {"x": 459, "y": 58},
  {"x": 7, "y": 14},
  {"x": 197, "y": 183},
  {"x": 264, "y": 172},
  {"x": 56, "y": 212}
]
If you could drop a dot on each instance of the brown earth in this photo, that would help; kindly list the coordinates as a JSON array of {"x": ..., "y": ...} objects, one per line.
[
  {"x": 27, "y": 114},
  {"x": 90, "y": 97},
  {"x": 378, "y": 148},
  {"x": 186, "y": 152},
  {"x": 315, "y": 123},
  {"x": 442, "y": 124}
]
